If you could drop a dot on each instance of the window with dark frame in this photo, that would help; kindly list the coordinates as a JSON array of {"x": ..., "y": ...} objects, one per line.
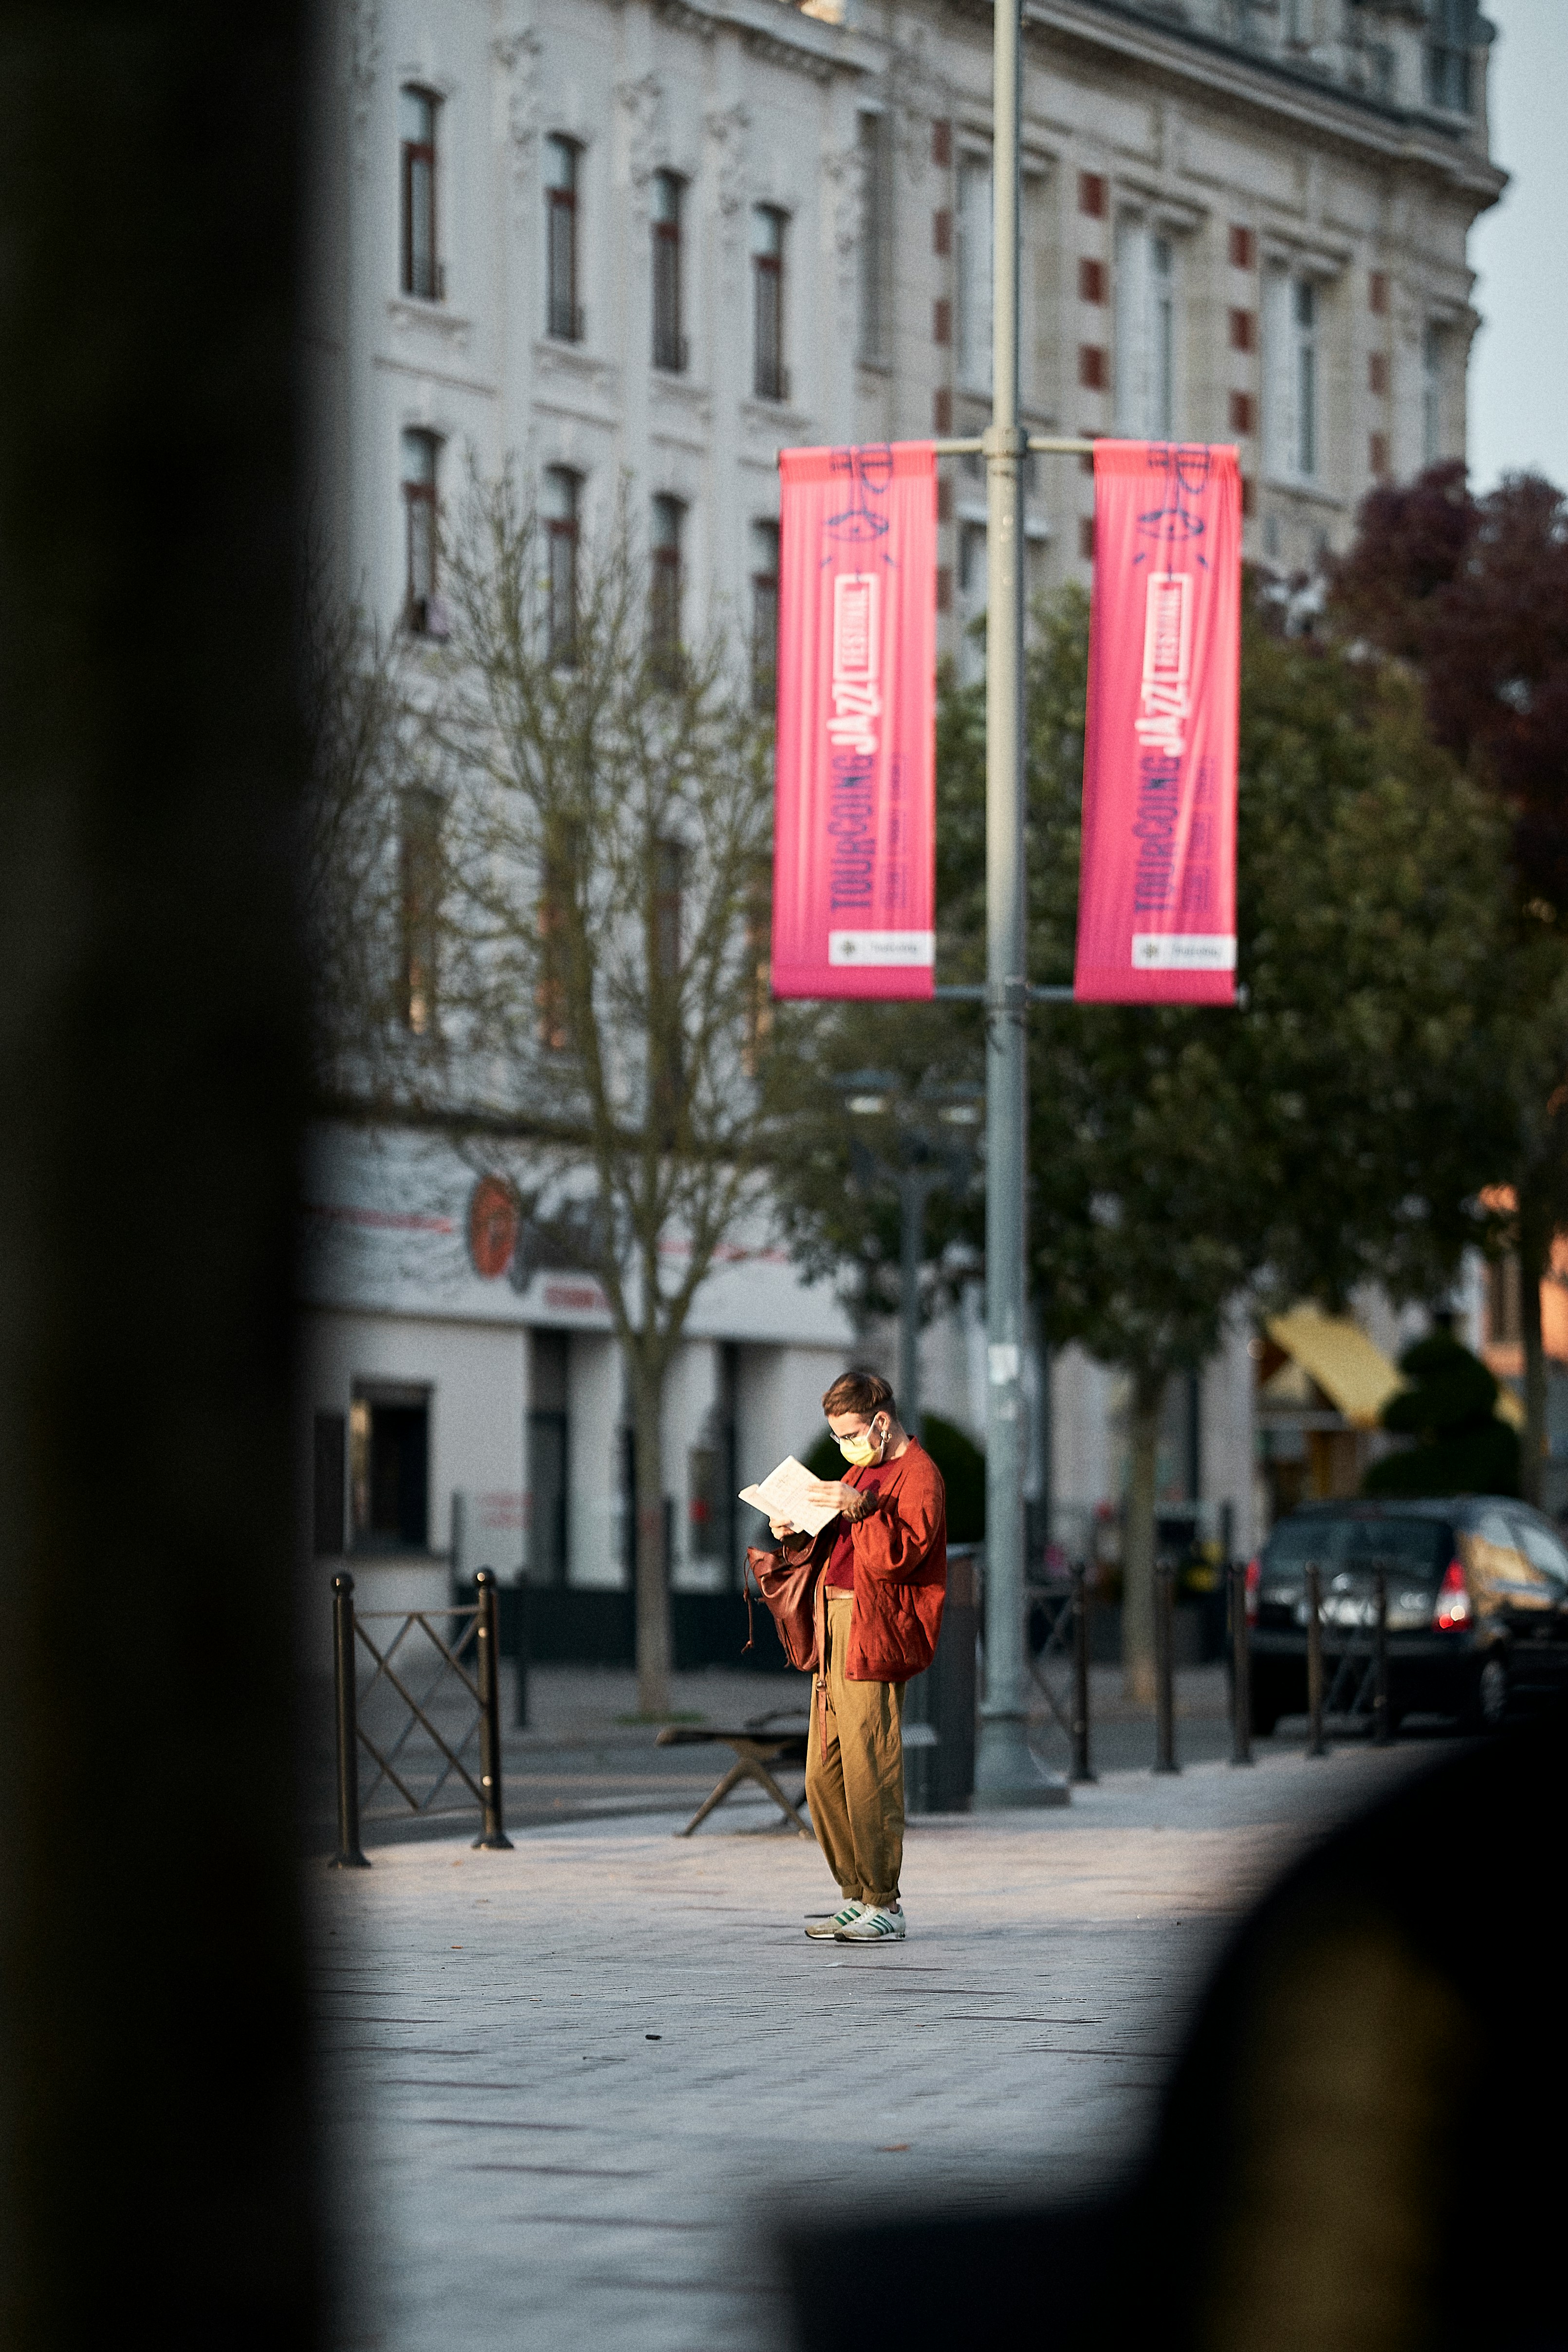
[
  {"x": 769, "y": 375},
  {"x": 562, "y": 518},
  {"x": 419, "y": 908},
  {"x": 764, "y": 613},
  {"x": 422, "y": 273},
  {"x": 423, "y": 610},
  {"x": 665, "y": 586},
  {"x": 669, "y": 350},
  {"x": 1452, "y": 33},
  {"x": 557, "y": 886},
  {"x": 876, "y": 238},
  {"x": 389, "y": 1467},
  {"x": 563, "y": 311}
]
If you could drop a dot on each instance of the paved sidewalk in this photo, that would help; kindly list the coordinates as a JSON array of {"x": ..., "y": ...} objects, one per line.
[{"x": 577, "y": 2088}]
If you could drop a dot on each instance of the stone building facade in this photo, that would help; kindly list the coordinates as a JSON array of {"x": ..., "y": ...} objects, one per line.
[{"x": 632, "y": 247}]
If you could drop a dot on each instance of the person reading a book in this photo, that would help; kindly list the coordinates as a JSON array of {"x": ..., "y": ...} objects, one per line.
[{"x": 882, "y": 1558}]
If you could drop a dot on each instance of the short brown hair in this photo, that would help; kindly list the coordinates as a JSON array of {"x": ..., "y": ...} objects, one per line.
[{"x": 863, "y": 1392}]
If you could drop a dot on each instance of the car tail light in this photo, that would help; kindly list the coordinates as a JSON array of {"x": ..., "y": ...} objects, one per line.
[
  {"x": 1254, "y": 1582},
  {"x": 1451, "y": 1612}
]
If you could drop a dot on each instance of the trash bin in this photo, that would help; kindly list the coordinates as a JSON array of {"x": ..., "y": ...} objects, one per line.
[{"x": 940, "y": 1704}]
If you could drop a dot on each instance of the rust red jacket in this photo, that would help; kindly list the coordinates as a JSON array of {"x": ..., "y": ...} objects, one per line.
[{"x": 900, "y": 1574}]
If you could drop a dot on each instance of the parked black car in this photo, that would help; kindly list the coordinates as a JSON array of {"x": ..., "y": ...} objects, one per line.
[{"x": 1478, "y": 1606}]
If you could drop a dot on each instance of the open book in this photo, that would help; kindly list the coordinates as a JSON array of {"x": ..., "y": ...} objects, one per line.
[{"x": 782, "y": 1495}]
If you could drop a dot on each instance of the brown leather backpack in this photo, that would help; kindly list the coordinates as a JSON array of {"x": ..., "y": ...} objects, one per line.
[{"x": 789, "y": 1588}]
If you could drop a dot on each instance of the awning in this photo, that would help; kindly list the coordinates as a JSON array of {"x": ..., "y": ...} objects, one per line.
[{"x": 1353, "y": 1374}]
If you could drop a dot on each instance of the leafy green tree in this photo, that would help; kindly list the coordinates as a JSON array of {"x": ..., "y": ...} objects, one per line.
[
  {"x": 1473, "y": 592},
  {"x": 1329, "y": 1132},
  {"x": 1449, "y": 1409}
]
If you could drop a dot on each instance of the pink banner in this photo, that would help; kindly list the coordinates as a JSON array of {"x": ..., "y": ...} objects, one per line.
[
  {"x": 1156, "y": 908},
  {"x": 855, "y": 821}
]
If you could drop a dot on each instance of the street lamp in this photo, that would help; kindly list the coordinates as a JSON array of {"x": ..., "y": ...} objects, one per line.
[{"x": 922, "y": 1162}]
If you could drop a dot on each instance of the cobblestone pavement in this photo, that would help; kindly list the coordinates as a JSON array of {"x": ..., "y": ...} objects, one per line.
[{"x": 577, "y": 2088}]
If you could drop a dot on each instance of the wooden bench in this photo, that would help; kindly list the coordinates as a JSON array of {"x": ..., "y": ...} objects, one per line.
[{"x": 756, "y": 1746}]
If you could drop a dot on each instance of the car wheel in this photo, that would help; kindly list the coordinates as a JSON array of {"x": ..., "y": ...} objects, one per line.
[{"x": 1492, "y": 1694}]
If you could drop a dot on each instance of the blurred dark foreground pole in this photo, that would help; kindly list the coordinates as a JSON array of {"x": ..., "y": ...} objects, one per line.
[{"x": 155, "y": 2159}]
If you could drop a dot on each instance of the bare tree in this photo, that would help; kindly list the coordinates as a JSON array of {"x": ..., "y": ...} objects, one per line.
[{"x": 581, "y": 940}]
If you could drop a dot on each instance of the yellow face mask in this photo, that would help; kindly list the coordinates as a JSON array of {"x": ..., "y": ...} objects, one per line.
[{"x": 860, "y": 1452}]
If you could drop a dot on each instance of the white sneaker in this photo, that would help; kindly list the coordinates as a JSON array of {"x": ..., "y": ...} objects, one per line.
[
  {"x": 829, "y": 1927},
  {"x": 873, "y": 1926}
]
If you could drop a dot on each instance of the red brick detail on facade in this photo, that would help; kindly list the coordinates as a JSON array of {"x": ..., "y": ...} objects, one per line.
[
  {"x": 1377, "y": 374},
  {"x": 1377, "y": 293},
  {"x": 942, "y": 143},
  {"x": 1091, "y": 281},
  {"x": 1241, "y": 416},
  {"x": 942, "y": 323},
  {"x": 943, "y": 498},
  {"x": 1092, "y": 372},
  {"x": 1091, "y": 194},
  {"x": 941, "y": 232},
  {"x": 1248, "y": 494},
  {"x": 1242, "y": 246},
  {"x": 1243, "y": 330},
  {"x": 941, "y": 410},
  {"x": 1085, "y": 538}
]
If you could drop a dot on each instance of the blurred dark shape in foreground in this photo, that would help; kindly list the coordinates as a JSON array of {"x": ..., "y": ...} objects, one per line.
[
  {"x": 156, "y": 2179},
  {"x": 1361, "y": 2149}
]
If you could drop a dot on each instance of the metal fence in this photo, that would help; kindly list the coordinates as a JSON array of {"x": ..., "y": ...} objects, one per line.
[{"x": 431, "y": 1698}]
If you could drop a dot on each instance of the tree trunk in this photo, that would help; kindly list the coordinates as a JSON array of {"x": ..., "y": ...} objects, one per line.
[
  {"x": 1138, "y": 1542},
  {"x": 652, "y": 1573},
  {"x": 1534, "y": 1256}
]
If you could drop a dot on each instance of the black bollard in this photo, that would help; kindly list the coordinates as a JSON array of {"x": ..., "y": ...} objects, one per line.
[
  {"x": 348, "y": 1856},
  {"x": 1380, "y": 1659},
  {"x": 1164, "y": 1691},
  {"x": 1080, "y": 1764},
  {"x": 1316, "y": 1744},
  {"x": 487, "y": 1646},
  {"x": 1240, "y": 1668}
]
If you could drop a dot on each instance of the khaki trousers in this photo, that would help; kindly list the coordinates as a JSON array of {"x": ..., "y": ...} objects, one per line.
[{"x": 854, "y": 1770}]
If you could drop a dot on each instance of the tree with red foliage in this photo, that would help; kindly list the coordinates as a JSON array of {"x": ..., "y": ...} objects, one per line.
[{"x": 1474, "y": 593}]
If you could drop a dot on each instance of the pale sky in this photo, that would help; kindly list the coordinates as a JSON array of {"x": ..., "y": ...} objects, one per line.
[{"x": 1519, "y": 361}]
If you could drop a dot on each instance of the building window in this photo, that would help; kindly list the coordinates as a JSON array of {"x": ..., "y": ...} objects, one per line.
[
  {"x": 876, "y": 238},
  {"x": 1452, "y": 33},
  {"x": 563, "y": 311},
  {"x": 557, "y": 885},
  {"x": 1432, "y": 394},
  {"x": 974, "y": 275},
  {"x": 423, "y": 610},
  {"x": 563, "y": 502},
  {"x": 389, "y": 1467},
  {"x": 764, "y": 613},
  {"x": 1145, "y": 332},
  {"x": 769, "y": 375},
  {"x": 419, "y": 908},
  {"x": 665, "y": 586},
  {"x": 1091, "y": 194},
  {"x": 417, "y": 110},
  {"x": 329, "y": 1520},
  {"x": 1291, "y": 378},
  {"x": 668, "y": 340}
]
